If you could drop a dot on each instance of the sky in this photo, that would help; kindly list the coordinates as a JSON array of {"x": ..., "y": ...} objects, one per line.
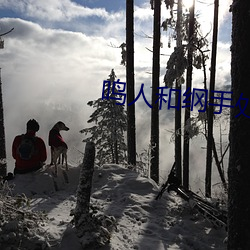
[{"x": 60, "y": 51}]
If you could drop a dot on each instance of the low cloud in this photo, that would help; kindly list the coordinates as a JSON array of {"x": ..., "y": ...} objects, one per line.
[
  {"x": 50, "y": 75},
  {"x": 51, "y": 69},
  {"x": 56, "y": 10}
]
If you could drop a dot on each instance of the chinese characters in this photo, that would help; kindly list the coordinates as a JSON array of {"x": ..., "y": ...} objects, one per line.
[{"x": 196, "y": 98}]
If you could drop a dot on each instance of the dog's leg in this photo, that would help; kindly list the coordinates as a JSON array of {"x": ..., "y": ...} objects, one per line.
[
  {"x": 59, "y": 159},
  {"x": 56, "y": 170},
  {"x": 51, "y": 155},
  {"x": 66, "y": 161},
  {"x": 55, "y": 158},
  {"x": 63, "y": 157}
]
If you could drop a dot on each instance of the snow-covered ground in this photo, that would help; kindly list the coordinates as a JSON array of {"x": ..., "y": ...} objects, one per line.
[{"x": 141, "y": 221}]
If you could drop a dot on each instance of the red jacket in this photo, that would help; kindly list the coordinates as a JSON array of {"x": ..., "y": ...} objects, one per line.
[
  {"x": 37, "y": 159},
  {"x": 55, "y": 139}
]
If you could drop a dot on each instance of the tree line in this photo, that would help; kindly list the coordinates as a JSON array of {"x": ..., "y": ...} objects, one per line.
[
  {"x": 113, "y": 148},
  {"x": 192, "y": 53}
]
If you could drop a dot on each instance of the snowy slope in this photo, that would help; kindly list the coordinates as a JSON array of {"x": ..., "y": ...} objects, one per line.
[{"x": 141, "y": 221}]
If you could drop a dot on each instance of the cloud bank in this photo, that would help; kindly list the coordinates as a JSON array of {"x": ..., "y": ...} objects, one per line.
[{"x": 56, "y": 58}]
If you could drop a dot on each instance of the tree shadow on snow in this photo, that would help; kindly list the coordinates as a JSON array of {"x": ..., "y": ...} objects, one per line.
[
  {"x": 39, "y": 187},
  {"x": 167, "y": 223},
  {"x": 178, "y": 227},
  {"x": 124, "y": 191}
]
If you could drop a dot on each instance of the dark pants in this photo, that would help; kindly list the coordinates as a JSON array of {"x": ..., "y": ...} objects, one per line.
[{"x": 25, "y": 171}]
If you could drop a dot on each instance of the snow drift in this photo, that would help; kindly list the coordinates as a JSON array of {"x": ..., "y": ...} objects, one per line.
[{"x": 141, "y": 221}]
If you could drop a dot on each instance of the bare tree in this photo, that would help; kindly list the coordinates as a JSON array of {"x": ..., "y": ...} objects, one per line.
[
  {"x": 211, "y": 102},
  {"x": 84, "y": 186},
  {"x": 178, "y": 157},
  {"x": 93, "y": 230},
  {"x": 3, "y": 163},
  {"x": 239, "y": 136},
  {"x": 188, "y": 88},
  {"x": 131, "y": 131},
  {"x": 154, "y": 168}
]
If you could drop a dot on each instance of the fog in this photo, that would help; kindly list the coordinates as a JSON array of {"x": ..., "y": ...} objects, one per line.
[{"x": 50, "y": 72}]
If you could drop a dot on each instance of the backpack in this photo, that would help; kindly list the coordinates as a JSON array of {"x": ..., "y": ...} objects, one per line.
[{"x": 26, "y": 148}]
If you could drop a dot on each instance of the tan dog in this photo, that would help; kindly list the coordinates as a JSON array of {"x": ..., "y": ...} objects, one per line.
[
  {"x": 57, "y": 152},
  {"x": 57, "y": 145}
]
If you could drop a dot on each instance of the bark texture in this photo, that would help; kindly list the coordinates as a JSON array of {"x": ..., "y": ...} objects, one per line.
[
  {"x": 188, "y": 88},
  {"x": 178, "y": 125},
  {"x": 210, "y": 120},
  {"x": 93, "y": 228},
  {"x": 239, "y": 161},
  {"x": 3, "y": 162},
  {"x": 85, "y": 183},
  {"x": 154, "y": 169},
  {"x": 131, "y": 130}
]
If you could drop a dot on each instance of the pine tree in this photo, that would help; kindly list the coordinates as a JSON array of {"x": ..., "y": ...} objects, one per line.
[
  {"x": 190, "y": 51},
  {"x": 110, "y": 120}
]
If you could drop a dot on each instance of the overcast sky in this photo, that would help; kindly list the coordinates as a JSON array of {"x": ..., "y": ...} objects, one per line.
[{"x": 60, "y": 51}]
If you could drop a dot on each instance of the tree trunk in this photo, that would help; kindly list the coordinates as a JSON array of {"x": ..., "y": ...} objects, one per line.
[
  {"x": 81, "y": 215},
  {"x": 93, "y": 231},
  {"x": 154, "y": 168},
  {"x": 178, "y": 88},
  {"x": 239, "y": 160},
  {"x": 209, "y": 158},
  {"x": 217, "y": 162},
  {"x": 3, "y": 162},
  {"x": 131, "y": 131},
  {"x": 188, "y": 88},
  {"x": 116, "y": 152}
]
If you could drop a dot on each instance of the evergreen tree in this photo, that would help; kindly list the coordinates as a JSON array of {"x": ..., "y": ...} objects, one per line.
[
  {"x": 110, "y": 120},
  {"x": 190, "y": 51}
]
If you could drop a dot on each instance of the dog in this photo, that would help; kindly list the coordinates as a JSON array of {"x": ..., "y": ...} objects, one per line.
[
  {"x": 57, "y": 152},
  {"x": 58, "y": 146}
]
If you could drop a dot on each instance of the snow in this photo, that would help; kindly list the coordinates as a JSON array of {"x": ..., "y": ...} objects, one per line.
[{"x": 141, "y": 221}]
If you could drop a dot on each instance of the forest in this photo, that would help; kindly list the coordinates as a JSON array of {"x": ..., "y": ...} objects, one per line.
[{"x": 218, "y": 115}]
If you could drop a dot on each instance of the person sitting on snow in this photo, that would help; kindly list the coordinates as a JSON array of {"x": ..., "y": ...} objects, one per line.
[{"x": 29, "y": 150}]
